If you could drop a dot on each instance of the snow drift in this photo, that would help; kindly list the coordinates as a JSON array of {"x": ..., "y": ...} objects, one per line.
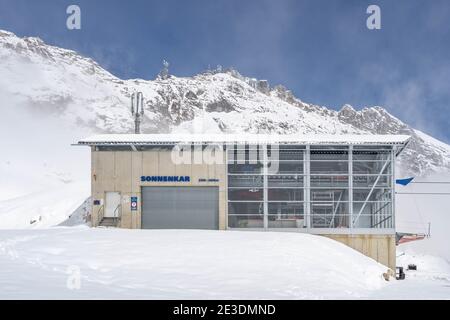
[{"x": 182, "y": 264}]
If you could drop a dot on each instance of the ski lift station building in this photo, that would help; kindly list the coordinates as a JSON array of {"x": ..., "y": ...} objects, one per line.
[{"x": 339, "y": 186}]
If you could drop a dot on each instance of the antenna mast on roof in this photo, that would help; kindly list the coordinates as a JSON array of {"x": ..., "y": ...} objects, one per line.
[{"x": 137, "y": 110}]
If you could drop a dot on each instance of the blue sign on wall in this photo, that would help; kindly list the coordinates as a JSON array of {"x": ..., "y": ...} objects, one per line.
[
  {"x": 134, "y": 203},
  {"x": 165, "y": 179}
]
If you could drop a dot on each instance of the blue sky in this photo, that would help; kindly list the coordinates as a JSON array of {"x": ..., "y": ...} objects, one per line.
[{"x": 321, "y": 50}]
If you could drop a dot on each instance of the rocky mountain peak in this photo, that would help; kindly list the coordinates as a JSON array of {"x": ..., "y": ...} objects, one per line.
[{"x": 61, "y": 83}]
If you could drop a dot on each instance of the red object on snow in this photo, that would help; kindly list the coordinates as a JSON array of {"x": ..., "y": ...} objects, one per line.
[{"x": 408, "y": 237}]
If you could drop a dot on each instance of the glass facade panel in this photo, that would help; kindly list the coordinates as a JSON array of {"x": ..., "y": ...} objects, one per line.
[
  {"x": 291, "y": 221},
  {"x": 286, "y": 167},
  {"x": 371, "y": 167},
  {"x": 327, "y": 155},
  {"x": 284, "y": 194},
  {"x": 346, "y": 187},
  {"x": 251, "y": 181},
  {"x": 286, "y": 215},
  {"x": 323, "y": 217},
  {"x": 245, "y": 194},
  {"x": 285, "y": 208},
  {"x": 377, "y": 194},
  {"x": 245, "y": 221},
  {"x": 293, "y": 154},
  {"x": 329, "y": 167},
  {"x": 368, "y": 155},
  {"x": 329, "y": 208},
  {"x": 373, "y": 214},
  {"x": 247, "y": 208},
  {"x": 327, "y": 195},
  {"x": 327, "y": 181},
  {"x": 245, "y": 168},
  {"x": 367, "y": 181},
  {"x": 285, "y": 181},
  {"x": 244, "y": 153}
]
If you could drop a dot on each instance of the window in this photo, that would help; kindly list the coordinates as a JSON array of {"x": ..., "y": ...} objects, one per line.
[
  {"x": 250, "y": 181},
  {"x": 286, "y": 215},
  {"x": 372, "y": 187},
  {"x": 327, "y": 181},
  {"x": 284, "y": 194},
  {"x": 245, "y": 168},
  {"x": 245, "y": 194},
  {"x": 371, "y": 167},
  {"x": 284, "y": 167},
  {"x": 285, "y": 181},
  {"x": 329, "y": 167},
  {"x": 245, "y": 221},
  {"x": 367, "y": 181},
  {"x": 341, "y": 194},
  {"x": 329, "y": 208}
]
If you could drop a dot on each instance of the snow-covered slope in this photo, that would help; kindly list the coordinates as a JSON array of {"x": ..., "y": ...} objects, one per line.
[
  {"x": 182, "y": 264},
  {"x": 74, "y": 89},
  {"x": 185, "y": 264},
  {"x": 431, "y": 280},
  {"x": 42, "y": 209}
]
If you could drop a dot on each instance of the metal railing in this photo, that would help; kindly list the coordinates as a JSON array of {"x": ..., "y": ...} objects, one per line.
[
  {"x": 100, "y": 214},
  {"x": 118, "y": 216}
]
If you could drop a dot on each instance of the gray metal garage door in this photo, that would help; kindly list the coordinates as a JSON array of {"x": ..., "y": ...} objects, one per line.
[{"x": 180, "y": 208}]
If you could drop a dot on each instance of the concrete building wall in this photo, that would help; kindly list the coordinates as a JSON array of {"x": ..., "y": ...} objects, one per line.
[
  {"x": 121, "y": 171},
  {"x": 378, "y": 247}
]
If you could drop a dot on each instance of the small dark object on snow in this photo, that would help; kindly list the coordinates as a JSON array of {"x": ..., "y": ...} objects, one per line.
[
  {"x": 400, "y": 274},
  {"x": 412, "y": 267}
]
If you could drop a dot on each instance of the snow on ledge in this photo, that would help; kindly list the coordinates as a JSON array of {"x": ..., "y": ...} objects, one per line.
[{"x": 150, "y": 139}]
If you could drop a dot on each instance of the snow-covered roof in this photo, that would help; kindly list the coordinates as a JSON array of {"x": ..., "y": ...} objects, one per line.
[{"x": 313, "y": 139}]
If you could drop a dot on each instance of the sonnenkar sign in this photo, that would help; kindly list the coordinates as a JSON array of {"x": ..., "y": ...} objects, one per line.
[{"x": 165, "y": 179}]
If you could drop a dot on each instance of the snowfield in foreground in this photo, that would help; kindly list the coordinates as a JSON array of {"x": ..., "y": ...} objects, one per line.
[
  {"x": 190, "y": 264},
  {"x": 181, "y": 264}
]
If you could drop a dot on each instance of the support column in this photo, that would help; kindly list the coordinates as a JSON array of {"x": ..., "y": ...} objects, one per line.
[
  {"x": 265, "y": 188},
  {"x": 393, "y": 187},
  {"x": 350, "y": 187},
  {"x": 307, "y": 186}
]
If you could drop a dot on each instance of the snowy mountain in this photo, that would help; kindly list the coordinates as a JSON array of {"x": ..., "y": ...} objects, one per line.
[
  {"x": 50, "y": 97},
  {"x": 59, "y": 83}
]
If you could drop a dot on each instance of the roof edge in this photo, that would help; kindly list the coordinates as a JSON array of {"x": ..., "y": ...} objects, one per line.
[{"x": 169, "y": 139}]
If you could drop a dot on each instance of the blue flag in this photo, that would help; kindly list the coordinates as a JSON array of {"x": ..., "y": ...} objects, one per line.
[{"x": 404, "y": 182}]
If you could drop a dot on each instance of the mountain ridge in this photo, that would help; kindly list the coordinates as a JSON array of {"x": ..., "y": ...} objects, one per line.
[{"x": 52, "y": 81}]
